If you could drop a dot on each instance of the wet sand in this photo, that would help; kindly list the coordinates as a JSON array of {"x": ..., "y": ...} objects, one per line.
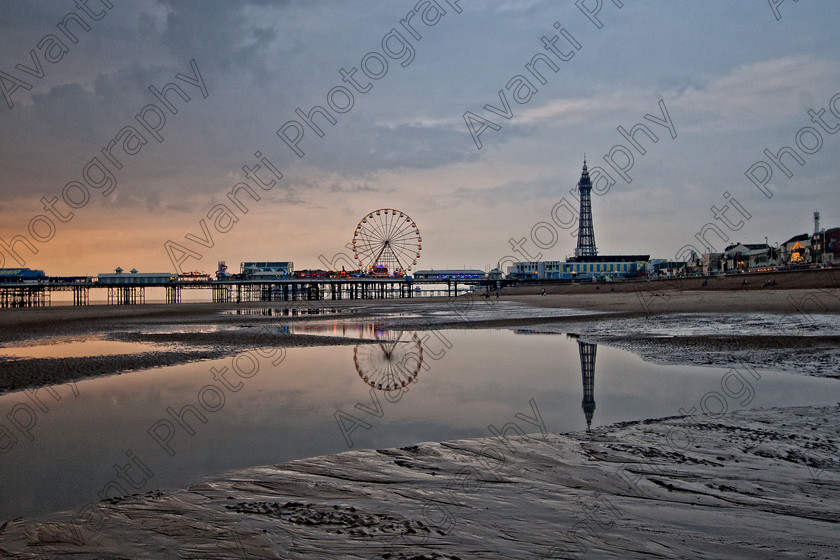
[{"x": 751, "y": 484}]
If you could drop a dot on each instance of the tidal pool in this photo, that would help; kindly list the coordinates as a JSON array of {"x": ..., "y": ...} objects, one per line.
[{"x": 162, "y": 428}]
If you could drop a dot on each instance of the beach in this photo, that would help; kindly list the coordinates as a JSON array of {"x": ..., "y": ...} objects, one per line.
[
  {"x": 754, "y": 484},
  {"x": 750, "y": 483}
]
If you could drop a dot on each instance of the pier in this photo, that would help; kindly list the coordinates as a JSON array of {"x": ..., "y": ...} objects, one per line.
[{"x": 39, "y": 294}]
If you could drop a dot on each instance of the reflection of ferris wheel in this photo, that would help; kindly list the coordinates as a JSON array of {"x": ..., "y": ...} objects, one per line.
[
  {"x": 391, "y": 363},
  {"x": 387, "y": 241}
]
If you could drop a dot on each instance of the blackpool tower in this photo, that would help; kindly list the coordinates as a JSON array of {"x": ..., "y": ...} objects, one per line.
[{"x": 586, "y": 233}]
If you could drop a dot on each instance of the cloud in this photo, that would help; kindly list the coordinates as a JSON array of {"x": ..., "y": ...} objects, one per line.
[
  {"x": 221, "y": 31},
  {"x": 745, "y": 97},
  {"x": 576, "y": 110},
  {"x": 359, "y": 147}
]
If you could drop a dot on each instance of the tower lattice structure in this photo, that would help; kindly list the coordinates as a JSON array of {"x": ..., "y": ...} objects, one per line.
[
  {"x": 587, "y": 370},
  {"x": 586, "y": 233}
]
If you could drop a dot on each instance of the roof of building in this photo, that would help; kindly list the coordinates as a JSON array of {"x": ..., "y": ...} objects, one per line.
[
  {"x": 609, "y": 258},
  {"x": 796, "y": 238},
  {"x": 21, "y": 272},
  {"x": 136, "y": 275},
  {"x": 448, "y": 272},
  {"x": 748, "y": 246}
]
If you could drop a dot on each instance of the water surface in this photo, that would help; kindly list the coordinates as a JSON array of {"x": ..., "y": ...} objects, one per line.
[{"x": 459, "y": 383}]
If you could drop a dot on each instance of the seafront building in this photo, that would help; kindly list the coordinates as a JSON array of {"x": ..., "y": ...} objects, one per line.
[
  {"x": 133, "y": 277},
  {"x": 20, "y": 275},
  {"x": 450, "y": 274},
  {"x": 819, "y": 249},
  {"x": 265, "y": 270},
  {"x": 598, "y": 266},
  {"x": 587, "y": 264},
  {"x": 822, "y": 248}
]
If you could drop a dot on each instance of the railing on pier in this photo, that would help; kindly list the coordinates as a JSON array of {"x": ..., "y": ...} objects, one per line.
[
  {"x": 238, "y": 291},
  {"x": 287, "y": 290}
]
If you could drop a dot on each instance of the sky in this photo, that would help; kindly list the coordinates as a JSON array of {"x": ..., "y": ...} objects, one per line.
[{"x": 130, "y": 130}]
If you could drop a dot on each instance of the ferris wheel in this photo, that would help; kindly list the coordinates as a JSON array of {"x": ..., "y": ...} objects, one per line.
[
  {"x": 387, "y": 242},
  {"x": 391, "y": 363}
]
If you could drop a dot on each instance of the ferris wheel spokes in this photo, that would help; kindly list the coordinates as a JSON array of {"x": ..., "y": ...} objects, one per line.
[{"x": 387, "y": 239}]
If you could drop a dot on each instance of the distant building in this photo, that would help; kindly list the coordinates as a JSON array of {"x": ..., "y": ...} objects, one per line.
[
  {"x": 267, "y": 270},
  {"x": 119, "y": 277},
  {"x": 796, "y": 249},
  {"x": 606, "y": 266},
  {"x": 535, "y": 270},
  {"x": 20, "y": 275},
  {"x": 595, "y": 267},
  {"x": 750, "y": 256},
  {"x": 587, "y": 264},
  {"x": 711, "y": 263},
  {"x": 465, "y": 274},
  {"x": 825, "y": 246},
  {"x": 666, "y": 268}
]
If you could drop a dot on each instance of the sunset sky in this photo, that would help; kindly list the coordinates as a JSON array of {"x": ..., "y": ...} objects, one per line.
[{"x": 90, "y": 187}]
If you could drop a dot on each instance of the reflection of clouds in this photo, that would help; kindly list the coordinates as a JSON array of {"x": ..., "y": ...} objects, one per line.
[{"x": 392, "y": 362}]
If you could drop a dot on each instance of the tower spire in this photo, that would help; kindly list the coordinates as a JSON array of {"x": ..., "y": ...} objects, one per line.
[{"x": 586, "y": 233}]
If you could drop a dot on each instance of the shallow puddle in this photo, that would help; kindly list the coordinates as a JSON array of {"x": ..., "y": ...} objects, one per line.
[
  {"x": 71, "y": 444},
  {"x": 76, "y": 349}
]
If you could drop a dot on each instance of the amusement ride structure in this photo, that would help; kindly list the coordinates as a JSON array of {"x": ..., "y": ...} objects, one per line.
[{"x": 386, "y": 243}]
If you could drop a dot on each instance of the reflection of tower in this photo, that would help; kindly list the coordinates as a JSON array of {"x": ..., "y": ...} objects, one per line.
[
  {"x": 586, "y": 233},
  {"x": 587, "y": 370}
]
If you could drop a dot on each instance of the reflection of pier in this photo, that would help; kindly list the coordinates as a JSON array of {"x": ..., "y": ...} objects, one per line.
[{"x": 587, "y": 370}]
